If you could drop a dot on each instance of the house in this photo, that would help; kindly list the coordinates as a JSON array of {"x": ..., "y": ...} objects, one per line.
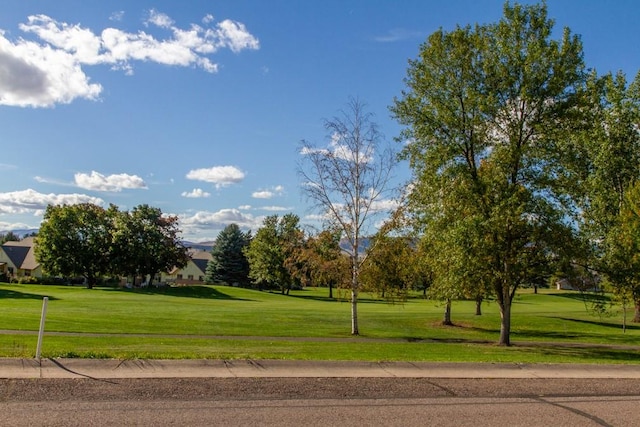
[
  {"x": 583, "y": 284},
  {"x": 193, "y": 273},
  {"x": 17, "y": 259}
]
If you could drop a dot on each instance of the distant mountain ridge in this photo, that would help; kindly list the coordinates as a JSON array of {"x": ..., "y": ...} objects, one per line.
[{"x": 203, "y": 246}]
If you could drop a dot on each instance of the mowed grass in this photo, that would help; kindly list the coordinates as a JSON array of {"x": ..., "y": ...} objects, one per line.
[{"x": 233, "y": 323}]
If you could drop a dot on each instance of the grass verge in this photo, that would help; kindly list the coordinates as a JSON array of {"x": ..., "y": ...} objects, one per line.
[{"x": 219, "y": 322}]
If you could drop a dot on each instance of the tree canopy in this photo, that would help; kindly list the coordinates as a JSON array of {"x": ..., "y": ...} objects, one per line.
[
  {"x": 606, "y": 174},
  {"x": 90, "y": 241},
  {"x": 321, "y": 262},
  {"x": 75, "y": 240},
  {"x": 484, "y": 111},
  {"x": 229, "y": 264},
  {"x": 271, "y": 249}
]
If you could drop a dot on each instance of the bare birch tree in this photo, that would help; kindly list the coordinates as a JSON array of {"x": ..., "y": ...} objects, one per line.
[{"x": 347, "y": 182}]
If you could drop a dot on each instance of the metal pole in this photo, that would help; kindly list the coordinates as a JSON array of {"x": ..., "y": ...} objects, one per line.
[{"x": 45, "y": 300}]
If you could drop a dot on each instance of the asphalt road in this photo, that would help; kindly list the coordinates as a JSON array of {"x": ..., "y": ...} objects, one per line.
[{"x": 320, "y": 401}]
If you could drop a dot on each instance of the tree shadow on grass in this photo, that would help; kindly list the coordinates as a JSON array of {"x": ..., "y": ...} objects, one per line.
[
  {"x": 603, "y": 324},
  {"x": 344, "y": 298},
  {"x": 319, "y": 298},
  {"x": 590, "y": 352},
  {"x": 203, "y": 292},
  {"x": 13, "y": 294},
  {"x": 584, "y": 296}
]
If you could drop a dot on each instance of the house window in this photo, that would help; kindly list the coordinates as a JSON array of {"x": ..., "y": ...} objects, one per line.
[
  {"x": 27, "y": 273},
  {"x": 201, "y": 278},
  {"x": 190, "y": 277},
  {"x": 179, "y": 276}
]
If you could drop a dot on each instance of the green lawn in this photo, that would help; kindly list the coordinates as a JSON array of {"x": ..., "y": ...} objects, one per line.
[{"x": 224, "y": 322}]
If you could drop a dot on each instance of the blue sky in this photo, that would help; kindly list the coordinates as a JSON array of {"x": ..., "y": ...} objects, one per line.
[{"x": 198, "y": 107}]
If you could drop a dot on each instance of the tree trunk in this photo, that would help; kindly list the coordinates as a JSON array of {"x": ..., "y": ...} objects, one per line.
[
  {"x": 330, "y": 290},
  {"x": 636, "y": 316},
  {"x": 479, "y": 300},
  {"x": 354, "y": 293},
  {"x": 354, "y": 312},
  {"x": 505, "y": 322},
  {"x": 447, "y": 314}
]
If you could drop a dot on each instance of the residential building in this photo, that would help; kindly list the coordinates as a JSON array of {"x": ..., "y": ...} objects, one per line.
[
  {"x": 17, "y": 259},
  {"x": 193, "y": 273}
]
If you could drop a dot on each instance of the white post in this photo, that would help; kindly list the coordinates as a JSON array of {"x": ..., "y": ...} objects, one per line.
[{"x": 45, "y": 300}]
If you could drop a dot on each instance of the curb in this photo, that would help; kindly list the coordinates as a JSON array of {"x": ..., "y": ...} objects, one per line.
[{"x": 104, "y": 369}]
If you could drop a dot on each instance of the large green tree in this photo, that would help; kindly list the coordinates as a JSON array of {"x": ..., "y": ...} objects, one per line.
[
  {"x": 390, "y": 266},
  {"x": 270, "y": 250},
  {"x": 321, "y": 261},
  {"x": 146, "y": 242},
  {"x": 484, "y": 109},
  {"x": 347, "y": 179},
  {"x": 622, "y": 255},
  {"x": 229, "y": 264},
  {"x": 75, "y": 240},
  {"x": 607, "y": 170}
]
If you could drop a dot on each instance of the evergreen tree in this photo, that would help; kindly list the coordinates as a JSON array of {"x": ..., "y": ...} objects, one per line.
[{"x": 229, "y": 265}]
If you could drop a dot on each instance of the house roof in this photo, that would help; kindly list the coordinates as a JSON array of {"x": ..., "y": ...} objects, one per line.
[
  {"x": 199, "y": 257},
  {"x": 21, "y": 253},
  {"x": 200, "y": 254},
  {"x": 16, "y": 254},
  {"x": 201, "y": 264}
]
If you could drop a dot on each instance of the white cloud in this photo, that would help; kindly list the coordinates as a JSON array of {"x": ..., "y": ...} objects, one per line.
[
  {"x": 316, "y": 217},
  {"x": 159, "y": 19},
  {"x": 244, "y": 207},
  {"x": 398, "y": 34},
  {"x": 275, "y": 208},
  {"x": 278, "y": 190},
  {"x": 204, "y": 221},
  {"x": 9, "y": 226},
  {"x": 385, "y": 205},
  {"x": 45, "y": 180},
  {"x": 344, "y": 151},
  {"x": 30, "y": 201},
  {"x": 117, "y": 16},
  {"x": 99, "y": 182},
  {"x": 338, "y": 149},
  {"x": 50, "y": 71},
  {"x": 221, "y": 176},
  {"x": 196, "y": 193},
  {"x": 262, "y": 194},
  {"x": 34, "y": 75},
  {"x": 235, "y": 36}
]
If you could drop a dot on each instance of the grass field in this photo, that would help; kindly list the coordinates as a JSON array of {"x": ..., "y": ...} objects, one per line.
[{"x": 231, "y": 323}]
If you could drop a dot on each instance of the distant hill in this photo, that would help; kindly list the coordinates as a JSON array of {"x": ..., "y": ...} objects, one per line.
[
  {"x": 203, "y": 246},
  {"x": 344, "y": 244},
  {"x": 362, "y": 248}
]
